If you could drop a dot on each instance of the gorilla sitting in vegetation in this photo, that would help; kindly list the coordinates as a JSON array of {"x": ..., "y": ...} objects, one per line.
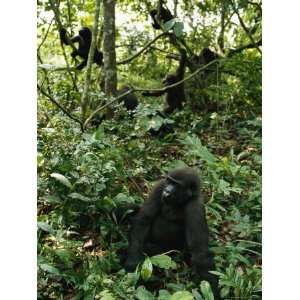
[
  {"x": 175, "y": 95},
  {"x": 84, "y": 39},
  {"x": 173, "y": 218},
  {"x": 160, "y": 15}
]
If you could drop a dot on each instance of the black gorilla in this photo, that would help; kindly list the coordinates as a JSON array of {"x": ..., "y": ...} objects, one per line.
[
  {"x": 205, "y": 57},
  {"x": 84, "y": 39},
  {"x": 160, "y": 14},
  {"x": 130, "y": 101},
  {"x": 173, "y": 218},
  {"x": 175, "y": 96}
]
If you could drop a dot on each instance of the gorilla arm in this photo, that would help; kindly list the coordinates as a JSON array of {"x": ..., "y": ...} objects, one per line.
[
  {"x": 155, "y": 94},
  {"x": 196, "y": 230},
  {"x": 141, "y": 227}
]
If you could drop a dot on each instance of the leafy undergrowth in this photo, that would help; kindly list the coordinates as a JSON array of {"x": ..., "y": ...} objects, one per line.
[{"x": 83, "y": 177}]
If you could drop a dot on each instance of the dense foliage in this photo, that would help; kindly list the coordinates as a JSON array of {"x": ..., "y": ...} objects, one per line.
[{"x": 84, "y": 175}]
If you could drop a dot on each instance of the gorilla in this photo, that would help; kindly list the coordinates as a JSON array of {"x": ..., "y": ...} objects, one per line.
[
  {"x": 160, "y": 15},
  {"x": 130, "y": 101},
  {"x": 174, "y": 96},
  {"x": 173, "y": 217},
  {"x": 205, "y": 57},
  {"x": 84, "y": 39}
]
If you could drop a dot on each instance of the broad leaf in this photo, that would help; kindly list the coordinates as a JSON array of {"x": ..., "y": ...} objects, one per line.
[
  {"x": 147, "y": 269},
  {"x": 45, "y": 227},
  {"x": 163, "y": 261},
  {"x": 62, "y": 179},
  {"x": 206, "y": 290},
  {"x": 143, "y": 294},
  {"x": 80, "y": 197},
  {"x": 182, "y": 295}
]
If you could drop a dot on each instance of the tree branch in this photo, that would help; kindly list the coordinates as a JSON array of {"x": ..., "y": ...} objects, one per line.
[
  {"x": 85, "y": 93},
  {"x": 247, "y": 46},
  {"x": 132, "y": 90},
  {"x": 127, "y": 60},
  {"x": 45, "y": 37},
  {"x": 244, "y": 26},
  {"x": 59, "y": 106},
  {"x": 60, "y": 26}
]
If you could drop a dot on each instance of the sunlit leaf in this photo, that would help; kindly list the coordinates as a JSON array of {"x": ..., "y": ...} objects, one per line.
[
  {"x": 45, "y": 227},
  {"x": 143, "y": 294},
  {"x": 206, "y": 290},
  {"x": 147, "y": 268},
  {"x": 182, "y": 295},
  {"x": 80, "y": 197},
  {"x": 163, "y": 261},
  {"x": 168, "y": 25},
  {"x": 178, "y": 29},
  {"x": 62, "y": 179},
  {"x": 49, "y": 269}
]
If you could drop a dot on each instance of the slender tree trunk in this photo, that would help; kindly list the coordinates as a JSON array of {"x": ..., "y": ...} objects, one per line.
[
  {"x": 109, "y": 49},
  {"x": 85, "y": 95}
]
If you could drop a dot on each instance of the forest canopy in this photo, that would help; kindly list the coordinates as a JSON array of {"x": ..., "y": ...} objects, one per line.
[{"x": 127, "y": 92}]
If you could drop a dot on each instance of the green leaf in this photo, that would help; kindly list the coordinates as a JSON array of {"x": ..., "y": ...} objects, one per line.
[
  {"x": 49, "y": 269},
  {"x": 164, "y": 295},
  {"x": 178, "y": 29},
  {"x": 80, "y": 197},
  {"x": 52, "y": 199},
  {"x": 224, "y": 187},
  {"x": 163, "y": 261},
  {"x": 62, "y": 179},
  {"x": 155, "y": 123},
  {"x": 106, "y": 295},
  {"x": 197, "y": 295},
  {"x": 143, "y": 294},
  {"x": 225, "y": 291},
  {"x": 195, "y": 147},
  {"x": 168, "y": 25},
  {"x": 45, "y": 227},
  {"x": 206, "y": 290},
  {"x": 182, "y": 295},
  {"x": 147, "y": 269}
]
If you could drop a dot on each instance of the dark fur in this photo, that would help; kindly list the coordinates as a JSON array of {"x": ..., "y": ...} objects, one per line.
[
  {"x": 164, "y": 16},
  {"x": 130, "y": 101},
  {"x": 174, "y": 96},
  {"x": 205, "y": 57},
  {"x": 173, "y": 218},
  {"x": 84, "y": 39}
]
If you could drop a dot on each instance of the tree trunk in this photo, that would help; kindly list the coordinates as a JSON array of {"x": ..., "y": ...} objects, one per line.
[
  {"x": 109, "y": 51},
  {"x": 85, "y": 99}
]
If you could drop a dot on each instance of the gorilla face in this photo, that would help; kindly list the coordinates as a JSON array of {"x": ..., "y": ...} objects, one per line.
[
  {"x": 170, "y": 192},
  {"x": 179, "y": 190}
]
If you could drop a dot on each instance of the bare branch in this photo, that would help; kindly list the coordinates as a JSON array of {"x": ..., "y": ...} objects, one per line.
[
  {"x": 243, "y": 47},
  {"x": 55, "y": 9},
  {"x": 132, "y": 90},
  {"x": 59, "y": 106},
  {"x": 127, "y": 60},
  {"x": 85, "y": 93},
  {"x": 244, "y": 26},
  {"x": 45, "y": 37}
]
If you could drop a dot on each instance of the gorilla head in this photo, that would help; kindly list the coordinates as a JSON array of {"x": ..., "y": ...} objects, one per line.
[{"x": 181, "y": 186}]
